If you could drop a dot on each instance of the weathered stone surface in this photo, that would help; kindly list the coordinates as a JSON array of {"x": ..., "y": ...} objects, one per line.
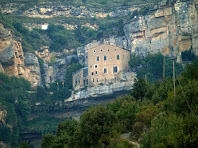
[
  {"x": 14, "y": 62},
  {"x": 6, "y": 46},
  {"x": 32, "y": 69},
  {"x": 49, "y": 9},
  {"x": 11, "y": 53},
  {"x": 170, "y": 29},
  {"x": 125, "y": 83},
  {"x": 31, "y": 59}
]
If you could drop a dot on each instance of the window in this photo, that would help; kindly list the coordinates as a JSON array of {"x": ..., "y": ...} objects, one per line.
[
  {"x": 94, "y": 51},
  {"x": 118, "y": 57},
  {"x": 115, "y": 49},
  {"x": 105, "y": 70},
  {"x": 96, "y": 66},
  {"x": 108, "y": 49},
  {"x": 93, "y": 79},
  {"x": 96, "y": 72},
  {"x": 105, "y": 58},
  {"x": 97, "y": 58},
  {"x": 115, "y": 69},
  {"x": 90, "y": 66},
  {"x": 92, "y": 73},
  {"x": 101, "y": 50},
  {"x": 97, "y": 79}
]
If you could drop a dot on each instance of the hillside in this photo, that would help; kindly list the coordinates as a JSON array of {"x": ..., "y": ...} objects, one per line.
[
  {"x": 151, "y": 114},
  {"x": 37, "y": 66}
]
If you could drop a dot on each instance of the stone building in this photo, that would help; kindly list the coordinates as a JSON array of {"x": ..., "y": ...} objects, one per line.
[
  {"x": 80, "y": 78},
  {"x": 106, "y": 64}
]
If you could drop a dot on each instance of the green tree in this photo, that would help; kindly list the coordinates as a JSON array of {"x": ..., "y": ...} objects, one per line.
[
  {"x": 5, "y": 134},
  {"x": 24, "y": 144},
  {"x": 47, "y": 141},
  {"x": 139, "y": 88},
  {"x": 165, "y": 132},
  {"x": 68, "y": 127},
  {"x": 95, "y": 123}
]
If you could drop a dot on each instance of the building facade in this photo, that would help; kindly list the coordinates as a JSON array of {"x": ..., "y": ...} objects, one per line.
[{"x": 105, "y": 64}]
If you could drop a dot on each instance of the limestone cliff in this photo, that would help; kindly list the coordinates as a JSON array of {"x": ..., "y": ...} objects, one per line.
[
  {"x": 11, "y": 53},
  {"x": 170, "y": 28},
  {"x": 12, "y": 59}
]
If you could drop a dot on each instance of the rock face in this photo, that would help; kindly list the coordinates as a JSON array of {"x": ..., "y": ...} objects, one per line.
[
  {"x": 50, "y": 9},
  {"x": 12, "y": 59},
  {"x": 32, "y": 71},
  {"x": 11, "y": 53},
  {"x": 170, "y": 28},
  {"x": 124, "y": 84}
]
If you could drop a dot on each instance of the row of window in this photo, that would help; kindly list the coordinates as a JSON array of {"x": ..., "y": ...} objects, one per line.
[
  {"x": 115, "y": 70},
  {"x": 105, "y": 58},
  {"x": 107, "y": 50}
]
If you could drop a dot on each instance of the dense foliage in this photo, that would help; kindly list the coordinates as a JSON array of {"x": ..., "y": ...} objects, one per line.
[
  {"x": 153, "y": 115},
  {"x": 13, "y": 99},
  {"x": 18, "y": 104},
  {"x": 151, "y": 66}
]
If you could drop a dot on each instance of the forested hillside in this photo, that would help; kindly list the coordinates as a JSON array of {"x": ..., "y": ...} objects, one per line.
[{"x": 153, "y": 115}]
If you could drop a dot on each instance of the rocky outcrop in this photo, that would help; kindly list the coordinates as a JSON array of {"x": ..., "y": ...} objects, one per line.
[
  {"x": 59, "y": 68},
  {"x": 13, "y": 62},
  {"x": 50, "y": 9},
  {"x": 125, "y": 83},
  {"x": 11, "y": 53},
  {"x": 170, "y": 28},
  {"x": 44, "y": 54},
  {"x": 32, "y": 71}
]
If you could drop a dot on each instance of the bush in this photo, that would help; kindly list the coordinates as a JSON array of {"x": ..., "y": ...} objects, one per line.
[{"x": 95, "y": 123}]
